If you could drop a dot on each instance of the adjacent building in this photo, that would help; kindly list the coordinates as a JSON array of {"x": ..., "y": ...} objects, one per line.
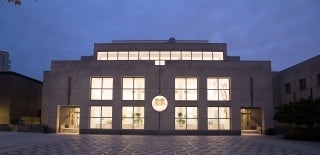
[
  {"x": 20, "y": 99},
  {"x": 301, "y": 81},
  {"x": 158, "y": 87}
]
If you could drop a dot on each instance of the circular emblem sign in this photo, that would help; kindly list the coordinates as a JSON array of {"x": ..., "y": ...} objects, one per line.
[{"x": 159, "y": 103}]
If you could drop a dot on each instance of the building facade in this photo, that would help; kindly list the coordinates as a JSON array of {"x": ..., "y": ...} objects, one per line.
[
  {"x": 301, "y": 81},
  {"x": 158, "y": 87},
  {"x": 20, "y": 99}
]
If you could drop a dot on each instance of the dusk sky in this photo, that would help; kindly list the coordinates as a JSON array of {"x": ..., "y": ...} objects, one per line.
[{"x": 284, "y": 32}]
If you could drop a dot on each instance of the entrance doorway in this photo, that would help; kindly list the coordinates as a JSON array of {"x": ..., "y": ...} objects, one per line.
[
  {"x": 251, "y": 120},
  {"x": 68, "y": 119}
]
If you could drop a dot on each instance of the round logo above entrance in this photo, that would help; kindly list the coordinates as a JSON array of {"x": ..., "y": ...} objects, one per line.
[{"x": 159, "y": 103}]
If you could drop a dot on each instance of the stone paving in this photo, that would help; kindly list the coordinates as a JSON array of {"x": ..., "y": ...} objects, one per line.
[{"x": 37, "y": 143}]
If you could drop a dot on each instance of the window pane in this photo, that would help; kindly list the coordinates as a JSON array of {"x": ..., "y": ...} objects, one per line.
[
  {"x": 192, "y": 95},
  {"x": 139, "y": 94},
  {"x": 106, "y": 123},
  {"x": 95, "y": 123},
  {"x": 95, "y": 111},
  {"x": 192, "y": 112},
  {"x": 127, "y": 112},
  {"x": 180, "y": 95},
  {"x": 192, "y": 83},
  {"x": 224, "y": 112},
  {"x": 102, "y": 56},
  {"x": 196, "y": 55},
  {"x": 127, "y": 82},
  {"x": 139, "y": 83},
  {"x": 138, "y": 118},
  {"x": 224, "y": 124},
  {"x": 107, "y": 82},
  {"x": 112, "y": 55},
  {"x": 180, "y": 83},
  {"x": 212, "y": 83},
  {"x": 127, "y": 123},
  {"x": 186, "y": 55},
  {"x": 154, "y": 55},
  {"x": 127, "y": 94},
  {"x": 192, "y": 124},
  {"x": 143, "y": 55},
  {"x": 213, "y": 124},
  {"x": 213, "y": 95},
  {"x": 217, "y": 55},
  {"x": 207, "y": 55},
  {"x": 223, "y": 83},
  {"x": 175, "y": 55},
  {"x": 106, "y": 111},
  {"x": 180, "y": 112},
  {"x": 95, "y": 94},
  {"x": 96, "y": 82},
  {"x": 164, "y": 55},
  {"x": 133, "y": 55},
  {"x": 123, "y": 55},
  {"x": 106, "y": 94},
  {"x": 223, "y": 95}
]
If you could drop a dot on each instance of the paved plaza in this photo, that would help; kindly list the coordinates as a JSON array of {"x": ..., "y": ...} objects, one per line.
[{"x": 38, "y": 143}]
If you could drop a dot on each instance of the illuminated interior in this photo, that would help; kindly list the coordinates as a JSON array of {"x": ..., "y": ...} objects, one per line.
[
  {"x": 218, "y": 89},
  {"x": 132, "y": 117},
  {"x": 101, "y": 117},
  {"x": 218, "y": 118},
  {"x": 186, "y": 118}
]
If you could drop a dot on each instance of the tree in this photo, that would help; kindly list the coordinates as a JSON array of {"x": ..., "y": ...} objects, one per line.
[
  {"x": 302, "y": 113},
  {"x": 16, "y": 2}
]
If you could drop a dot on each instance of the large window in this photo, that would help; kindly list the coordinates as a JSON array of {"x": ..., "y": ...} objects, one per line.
[
  {"x": 218, "y": 89},
  {"x": 186, "y": 118},
  {"x": 132, "y": 117},
  {"x": 101, "y": 88},
  {"x": 218, "y": 118},
  {"x": 186, "y": 89},
  {"x": 133, "y": 88},
  {"x": 100, "y": 117},
  {"x": 302, "y": 84}
]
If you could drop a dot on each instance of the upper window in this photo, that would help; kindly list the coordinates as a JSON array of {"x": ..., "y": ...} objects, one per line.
[
  {"x": 302, "y": 84},
  {"x": 218, "y": 89},
  {"x": 288, "y": 88},
  {"x": 186, "y": 118},
  {"x": 186, "y": 89},
  {"x": 132, "y": 117},
  {"x": 100, "y": 117},
  {"x": 101, "y": 88},
  {"x": 218, "y": 118},
  {"x": 133, "y": 88}
]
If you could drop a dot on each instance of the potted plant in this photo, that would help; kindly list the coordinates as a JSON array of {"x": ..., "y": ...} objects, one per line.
[
  {"x": 137, "y": 120},
  {"x": 180, "y": 120}
]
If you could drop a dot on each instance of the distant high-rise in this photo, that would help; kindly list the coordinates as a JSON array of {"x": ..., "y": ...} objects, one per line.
[{"x": 4, "y": 61}]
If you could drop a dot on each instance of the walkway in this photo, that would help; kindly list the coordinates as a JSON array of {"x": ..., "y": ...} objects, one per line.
[{"x": 37, "y": 143}]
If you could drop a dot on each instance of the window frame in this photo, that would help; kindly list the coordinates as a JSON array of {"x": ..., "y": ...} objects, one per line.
[
  {"x": 133, "y": 118},
  {"x": 186, "y": 89},
  {"x": 134, "y": 90},
  {"x": 186, "y": 118},
  {"x": 101, "y": 88},
  {"x": 287, "y": 87},
  {"x": 101, "y": 117},
  {"x": 219, "y": 91},
  {"x": 218, "y": 118},
  {"x": 302, "y": 84}
]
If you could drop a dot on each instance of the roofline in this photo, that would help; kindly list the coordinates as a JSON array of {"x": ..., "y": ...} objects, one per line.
[
  {"x": 305, "y": 61},
  {"x": 20, "y": 75}
]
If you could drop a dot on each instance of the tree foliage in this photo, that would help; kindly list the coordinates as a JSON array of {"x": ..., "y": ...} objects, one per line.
[
  {"x": 305, "y": 112},
  {"x": 16, "y": 2}
]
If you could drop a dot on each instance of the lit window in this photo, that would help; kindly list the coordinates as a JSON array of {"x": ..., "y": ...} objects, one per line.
[
  {"x": 218, "y": 89},
  {"x": 101, "y": 88},
  {"x": 302, "y": 84},
  {"x": 100, "y": 117},
  {"x": 154, "y": 55},
  {"x": 186, "y": 118},
  {"x": 218, "y": 118},
  {"x": 123, "y": 55},
  {"x": 102, "y": 56},
  {"x": 186, "y": 89},
  {"x": 217, "y": 55},
  {"x": 207, "y": 55},
  {"x": 175, "y": 55},
  {"x": 133, "y": 55},
  {"x": 132, "y": 117},
  {"x": 143, "y": 55},
  {"x": 186, "y": 55},
  {"x": 196, "y": 55},
  {"x": 112, "y": 55},
  {"x": 164, "y": 55},
  {"x": 133, "y": 88}
]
